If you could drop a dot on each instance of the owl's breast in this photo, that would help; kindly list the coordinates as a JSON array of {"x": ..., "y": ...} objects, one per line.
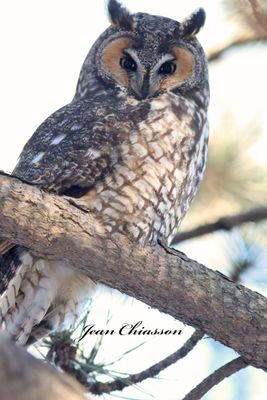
[{"x": 159, "y": 169}]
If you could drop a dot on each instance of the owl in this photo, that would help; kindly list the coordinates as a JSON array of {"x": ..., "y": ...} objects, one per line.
[{"x": 131, "y": 145}]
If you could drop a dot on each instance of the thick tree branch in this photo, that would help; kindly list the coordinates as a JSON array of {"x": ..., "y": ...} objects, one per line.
[
  {"x": 23, "y": 377},
  {"x": 224, "y": 223},
  {"x": 216, "y": 377},
  {"x": 162, "y": 278}
]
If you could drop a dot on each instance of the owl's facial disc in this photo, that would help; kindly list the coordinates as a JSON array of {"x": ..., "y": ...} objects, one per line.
[
  {"x": 123, "y": 62},
  {"x": 173, "y": 69}
]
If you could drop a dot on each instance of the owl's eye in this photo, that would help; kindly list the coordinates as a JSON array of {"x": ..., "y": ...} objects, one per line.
[
  {"x": 168, "y": 68},
  {"x": 128, "y": 64}
]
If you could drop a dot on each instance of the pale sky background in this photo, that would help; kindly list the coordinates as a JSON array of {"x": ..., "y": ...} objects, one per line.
[{"x": 43, "y": 45}]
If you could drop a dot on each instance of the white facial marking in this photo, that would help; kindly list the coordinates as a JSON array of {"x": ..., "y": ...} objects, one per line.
[{"x": 163, "y": 59}]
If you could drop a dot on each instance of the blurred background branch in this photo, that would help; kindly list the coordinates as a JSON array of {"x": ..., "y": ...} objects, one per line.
[
  {"x": 216, "y": 377},
  {"x": 224, "y": 223},
  {"x": 259, "y": 14},
  {"x": 217, "y": 53}
]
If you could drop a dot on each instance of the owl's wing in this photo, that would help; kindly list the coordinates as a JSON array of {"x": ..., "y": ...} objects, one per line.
[{"x": 74, "y": 148}]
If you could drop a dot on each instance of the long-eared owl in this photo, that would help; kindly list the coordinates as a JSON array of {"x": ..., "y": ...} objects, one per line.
[{"x": 131, "y": 145}]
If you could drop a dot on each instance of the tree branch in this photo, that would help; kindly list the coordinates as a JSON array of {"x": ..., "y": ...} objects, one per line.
[
  {"x": 243, "y": 41},
  {"x": 216, "y": 377},
  {"x": 119, "y": 384},
  {"x": 259, "y": 13},
  {"x": 23, "y": 377},
  {"x": 224, "y": 223},
  {"x": 160, "y": 277}
]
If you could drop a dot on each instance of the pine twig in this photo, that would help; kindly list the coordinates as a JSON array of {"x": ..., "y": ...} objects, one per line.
[
  {"x": 121, "y": 383},
  {"x": 224, "y": 223},
  {"x": 216, "y": 377},
  {"x": 239, "y": 269},
  {"x": 217, "y": 53}
]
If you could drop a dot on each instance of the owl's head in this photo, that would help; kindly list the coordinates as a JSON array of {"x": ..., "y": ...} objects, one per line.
[{"x": 145, "y": 55}]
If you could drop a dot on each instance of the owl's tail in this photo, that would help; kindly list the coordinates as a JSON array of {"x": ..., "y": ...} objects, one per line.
[{"x": 42, "y": 295}]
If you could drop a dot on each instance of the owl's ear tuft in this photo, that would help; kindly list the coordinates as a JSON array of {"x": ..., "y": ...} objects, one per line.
[
  {"x": 193, "y": 23},
  {"x": 119, "y": 16}
]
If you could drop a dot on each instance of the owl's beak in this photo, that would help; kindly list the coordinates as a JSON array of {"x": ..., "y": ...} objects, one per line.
[
  {"x": 142, "y": 87},
  {"x": 145, "y": 87}
]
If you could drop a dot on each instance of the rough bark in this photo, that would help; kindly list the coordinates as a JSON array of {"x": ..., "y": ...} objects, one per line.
[
  {"x": 160, "y": 277},
  {"x": 22, "y": 377}
]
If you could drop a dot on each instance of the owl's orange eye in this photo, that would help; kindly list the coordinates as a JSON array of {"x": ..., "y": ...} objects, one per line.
[
  {"x": 168, "y": 68},
  {"x": 128, "y": 64}
]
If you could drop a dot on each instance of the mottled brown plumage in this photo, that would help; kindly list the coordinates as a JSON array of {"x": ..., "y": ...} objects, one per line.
[{"x": 131, "y": 145}]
